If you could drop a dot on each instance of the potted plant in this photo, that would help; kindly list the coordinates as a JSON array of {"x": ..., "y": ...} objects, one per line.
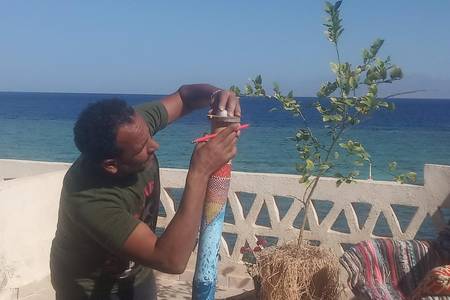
[{"x": 299, "y": 270}]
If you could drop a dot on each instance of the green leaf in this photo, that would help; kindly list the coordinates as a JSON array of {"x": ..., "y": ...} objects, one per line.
[
  {"x": 366, "y": 56},
  {"x": 334, "y": 67},
  {"x": 396, "y": 73},
  {"x": 258, "y": 80},
  {"x": 373, "y": 89},
  {"x": 358, "y": 163},
  {"x": 326, "y": 89},
  {"x": 290, "y": 95},
  {"x": 409, "y": 177},
  {"x": 391, "y": 106},
  {"x": 300, "y": 167},
  {"x": 376, "y": 45},
  {"x": 336, "y": 155},
  {"x": 276, "y": 88},
  {"x": 353, "y": 82},
  {"x": 324, "y": 166},
  {"x": 383, "y": 104},
  {"x": 236, "y": 90},
  {"x": 302, "y": 135},
  {"x": 304, "y": 179},
  {"x": 249, "y": 90},
  {"x": 412, "y": 176},
  {"x": 392, "y": 166},
  {"x": 309, "y": 165}
]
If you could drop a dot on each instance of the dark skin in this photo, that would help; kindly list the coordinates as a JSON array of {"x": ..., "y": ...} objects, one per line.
[{"x": 170, "y": 252}]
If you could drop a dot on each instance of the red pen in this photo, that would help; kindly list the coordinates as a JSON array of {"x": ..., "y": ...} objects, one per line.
[{"x": 210, "y": 136}]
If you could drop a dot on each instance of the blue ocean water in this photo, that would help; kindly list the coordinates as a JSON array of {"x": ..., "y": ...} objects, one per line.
[{"x": 38, "y": 126}]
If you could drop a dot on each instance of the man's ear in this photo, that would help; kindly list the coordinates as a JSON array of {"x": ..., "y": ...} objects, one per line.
[{"x": 110, "y": 166}]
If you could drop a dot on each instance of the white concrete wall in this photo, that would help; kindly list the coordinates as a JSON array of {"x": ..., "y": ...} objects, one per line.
[
  {"x": 10, "y": 168},
  {"x": 28, "y": 212}
]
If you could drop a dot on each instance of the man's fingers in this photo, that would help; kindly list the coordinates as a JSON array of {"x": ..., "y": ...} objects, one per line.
[
  {"x": 237, "y": 110},
  {"x": 231, "y": 104},
  {"x": 229, "y": 130},
  {"x": 232, "y": 135},
  {"x": 224, "y": 100}
]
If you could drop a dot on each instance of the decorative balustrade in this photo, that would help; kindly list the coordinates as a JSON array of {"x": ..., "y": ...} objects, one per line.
[
  {"x": 405, "y": 209},
  {"x": 259, "y": 204}
]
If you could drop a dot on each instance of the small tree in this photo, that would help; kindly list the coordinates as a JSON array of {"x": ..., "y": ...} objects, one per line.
[
  {"x": 299, "y": 270},
  {"x": 342, "y": 104}
]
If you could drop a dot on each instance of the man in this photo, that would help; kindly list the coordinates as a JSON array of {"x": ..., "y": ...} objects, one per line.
[{"x": 105, "y": 246}]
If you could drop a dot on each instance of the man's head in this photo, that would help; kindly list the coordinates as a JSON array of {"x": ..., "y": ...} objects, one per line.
[{"x": 111, "y": 134}]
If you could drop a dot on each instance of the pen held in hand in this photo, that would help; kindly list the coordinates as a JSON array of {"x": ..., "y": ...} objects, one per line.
[{"x": 210, "y": 136}]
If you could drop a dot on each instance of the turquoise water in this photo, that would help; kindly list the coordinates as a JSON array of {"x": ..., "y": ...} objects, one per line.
[{"x": 38, "y": 126}]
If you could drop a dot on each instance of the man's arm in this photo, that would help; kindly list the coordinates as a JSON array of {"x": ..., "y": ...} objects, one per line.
[
  {"x": 194, "y": 96},
  {"x": 170, "y": 253}
]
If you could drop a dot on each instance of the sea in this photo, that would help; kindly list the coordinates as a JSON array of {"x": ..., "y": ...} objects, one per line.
[{"x": 38, "y": 126}]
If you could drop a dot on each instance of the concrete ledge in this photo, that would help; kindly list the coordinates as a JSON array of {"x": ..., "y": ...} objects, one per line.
[{"x": 11, "y": 169}]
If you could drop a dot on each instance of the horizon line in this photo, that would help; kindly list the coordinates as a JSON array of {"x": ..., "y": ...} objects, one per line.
[{"x": 158, "y": 94}]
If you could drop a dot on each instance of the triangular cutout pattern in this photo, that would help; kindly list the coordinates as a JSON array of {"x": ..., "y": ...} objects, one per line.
[
  {"x": 346, "y": 246},
  {"x": 299, "y": 220},
  {"x": 159, "y": 231},
  {"x": 382, "y": 228},
  {"x": 161, "y": 210},
  {"x": 283, "y": 204},
  {"x": 246, "y": 200},
  {"x": 362, "y": 210},
  {"x": 314, "y": 242},
  {"x": 445, "y": 214},
  {"x": 263, "y": 216},
  {"x": 247, "y": 254},
  {"x": 229, "y": 217},
  {"x": 341, "y": 224},
  {"x": 176, "y": 194},
  {"x": 269, "y": 240},
  {"x": 427, "y": 230},
  {"x": 230, "y": 239},
  {"x": 404, "y": 214},
  {"x": 322, "y": 207}
]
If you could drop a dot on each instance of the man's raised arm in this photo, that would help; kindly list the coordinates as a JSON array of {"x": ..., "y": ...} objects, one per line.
[{"x": 194, "y": 96}]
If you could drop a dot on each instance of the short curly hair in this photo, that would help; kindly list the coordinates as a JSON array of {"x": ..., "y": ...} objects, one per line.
[{"x": 95, "y": 130}]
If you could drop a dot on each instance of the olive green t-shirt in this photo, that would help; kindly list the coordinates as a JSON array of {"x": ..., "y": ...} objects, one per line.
[{"x": 97, "y": 213}]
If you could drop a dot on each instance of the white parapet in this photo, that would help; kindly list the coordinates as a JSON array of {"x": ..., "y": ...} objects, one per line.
[
  {"x": 28, "y": 214},
  {"x": 29, "y": 205},
  {"x": 11, "y": 168}
]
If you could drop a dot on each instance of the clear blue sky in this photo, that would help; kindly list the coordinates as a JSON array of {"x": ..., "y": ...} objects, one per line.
[{"x": 155, "y": 46}]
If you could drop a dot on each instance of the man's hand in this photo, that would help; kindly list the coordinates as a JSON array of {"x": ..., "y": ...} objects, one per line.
[
  {"x": 210, "y": 156},
  {"x": 225, "y": 100},
  {"x": 194, "y": 96}
]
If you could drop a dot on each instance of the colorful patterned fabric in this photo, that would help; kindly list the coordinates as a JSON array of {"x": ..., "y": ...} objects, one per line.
[
  {"x": 435, "y": 283},
  {"x": 389, "y": 269}
]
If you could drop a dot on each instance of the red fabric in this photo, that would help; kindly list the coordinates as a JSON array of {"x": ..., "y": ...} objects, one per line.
[{"x": 435, "y": 283}]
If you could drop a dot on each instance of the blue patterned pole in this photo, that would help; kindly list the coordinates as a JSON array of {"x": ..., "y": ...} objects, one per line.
[{"x": 205, "y": 276}]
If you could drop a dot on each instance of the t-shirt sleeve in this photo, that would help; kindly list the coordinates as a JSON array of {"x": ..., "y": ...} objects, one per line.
[
  {"x": 155, "y": 114},
  {"x": 103, "y": 218}
]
